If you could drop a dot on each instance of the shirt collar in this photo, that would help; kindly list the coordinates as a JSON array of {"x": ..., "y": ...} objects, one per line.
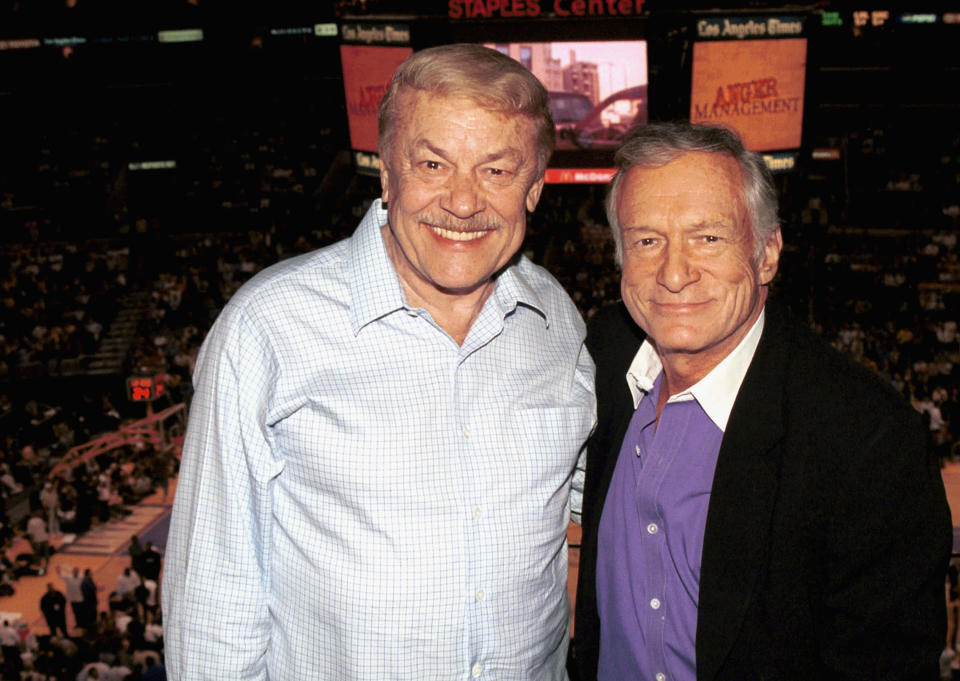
[
  {"x": 716, "y": 392},
  {"x": 375, "y": 289},
  {"x": 374, "y": 286},
  {"x": 513, "y": 288}
]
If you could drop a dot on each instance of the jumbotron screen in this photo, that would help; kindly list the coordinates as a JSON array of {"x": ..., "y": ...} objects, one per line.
[{"x": 598, "y": 90}]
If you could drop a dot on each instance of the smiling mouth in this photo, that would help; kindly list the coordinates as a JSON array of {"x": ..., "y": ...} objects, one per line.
[
  {"x": 679, "y": 307},
  {"x": 454, "y": 235}
]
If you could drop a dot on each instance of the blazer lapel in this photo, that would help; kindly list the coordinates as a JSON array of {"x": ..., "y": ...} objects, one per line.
[{"x": 741, "y": 502}]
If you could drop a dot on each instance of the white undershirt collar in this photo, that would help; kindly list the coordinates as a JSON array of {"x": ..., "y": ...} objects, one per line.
[{"x": 716, "y": 392}]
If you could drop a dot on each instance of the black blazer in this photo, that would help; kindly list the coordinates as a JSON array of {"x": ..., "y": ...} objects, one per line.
[{"x": 828, "y": 531}]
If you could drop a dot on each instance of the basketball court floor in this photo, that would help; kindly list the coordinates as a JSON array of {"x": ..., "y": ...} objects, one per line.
[{"x": 103, "y": 549}]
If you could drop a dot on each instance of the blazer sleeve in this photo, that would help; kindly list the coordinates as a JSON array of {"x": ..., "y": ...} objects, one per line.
[{"x": 889, "y": 542}]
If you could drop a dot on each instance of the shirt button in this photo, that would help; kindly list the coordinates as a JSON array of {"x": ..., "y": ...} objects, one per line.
[
  {"x": 652, "y": 528},
  {"x": 661, "y": 676},
  {"x": 477, "y": 512},
  {"x": 466, "y": 433},
  {"x": 655, "y": 603},
  {"x": 413, "y": 313},
  {"x": 480, "y": 594},
  {"x": 477, "y": 671},
  {"x": 637, "y": 449}
]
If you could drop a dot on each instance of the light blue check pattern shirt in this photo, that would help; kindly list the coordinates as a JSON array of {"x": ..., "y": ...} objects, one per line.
[{"x": 362, "y": 498}]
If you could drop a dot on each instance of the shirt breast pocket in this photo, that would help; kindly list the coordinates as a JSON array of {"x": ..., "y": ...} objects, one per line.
[{"x": 547, "y": 443}]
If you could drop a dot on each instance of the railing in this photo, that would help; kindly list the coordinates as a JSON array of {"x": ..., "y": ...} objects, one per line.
[{"x": 163, "y": 431}]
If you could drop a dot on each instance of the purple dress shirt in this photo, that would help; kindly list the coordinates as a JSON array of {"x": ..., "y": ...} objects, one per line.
[{"x": 650, "y": 541}]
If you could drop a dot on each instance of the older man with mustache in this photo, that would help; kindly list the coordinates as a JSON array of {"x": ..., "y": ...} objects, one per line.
[{"x": 380, "y": 460}]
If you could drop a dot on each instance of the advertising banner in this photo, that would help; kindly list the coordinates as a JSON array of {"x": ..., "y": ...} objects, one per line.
[
  {"x": 752, "y": 86},
  {"x": 367, "y": 70}
]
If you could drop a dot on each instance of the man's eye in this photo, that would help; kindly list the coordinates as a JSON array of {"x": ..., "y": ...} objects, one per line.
[
  {"x": 432, "y": 165},
  {"x": 497, "y": 172},
  {"x": 711, "y": 238},
  {"x": 646, "y": 241}
]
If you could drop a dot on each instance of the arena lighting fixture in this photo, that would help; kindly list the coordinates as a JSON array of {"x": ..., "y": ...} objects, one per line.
[
  {"x": 20, "y": 44},
  {"x": 918, "y": 18},
  {"x": 151, "y": 165},
  {"x": 183, "y": 35},
  {"x": 292, "y": 30},
  {"x": 831, "y": 19},
  {"x": 64, "y": 41}
]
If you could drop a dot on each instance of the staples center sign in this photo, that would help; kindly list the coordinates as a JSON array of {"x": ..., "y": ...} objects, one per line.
[
  {"x": 497, "y": 9},
  {"x": 752, "y": 86}
]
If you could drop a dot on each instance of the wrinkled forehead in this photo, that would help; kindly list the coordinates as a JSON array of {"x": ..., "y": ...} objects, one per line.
[
  {"x": 694, "y": 186},
  {"x": 409, "y": 99},
  {"x": 429, "y": 117}
]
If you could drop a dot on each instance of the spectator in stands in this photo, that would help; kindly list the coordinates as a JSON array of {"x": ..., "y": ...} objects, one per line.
[
  {"x": 141, "y": 484},
  {"x": 10, "y": 486},
  {"x": 39, "y": 540},
  {"x": 481, "y": 343},
  {"x": 106, "y": 633},
  {"x": 104, "y": 497},
  {"x": 163, "y": 464},
  {"x": 10, "y": 647},
  {"x": 53, "y": 605},
  {"x": 89, "y": 589},
  {"x": 50, "y": 501},
  {"x": 127, "y": 583},
  {"x": 152, "y": 633},
  {"x": 64, "y": 656},
  {"x": 155, "y": 670},
  {"x": 136, "y": 552},
  {"x": 73, "y": 581},
  {"x": 136, "y": 631},
  {"x": 67, "y": 516},
  {"x": 26, "y": 470},
  {"x": 124, "y": 652},
  {"x": 147, "y": 602},
  {"x": 150, "y": 562},
  {"x": 94, "y": 671}
]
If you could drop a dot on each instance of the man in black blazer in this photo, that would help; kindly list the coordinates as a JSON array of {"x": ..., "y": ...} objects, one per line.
[{"x": 757, "y": 506}]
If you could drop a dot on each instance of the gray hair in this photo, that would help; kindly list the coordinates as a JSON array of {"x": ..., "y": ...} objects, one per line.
[
  {"x": 655, "y": 145},
  {"x": 493, "y": 80}
]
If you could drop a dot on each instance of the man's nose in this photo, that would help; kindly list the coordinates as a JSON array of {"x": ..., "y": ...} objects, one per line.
[
  {"x": 463, "y": 197},
  {"x": 677, "y": 269}
]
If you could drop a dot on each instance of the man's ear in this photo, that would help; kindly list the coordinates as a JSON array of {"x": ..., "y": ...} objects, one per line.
[
  {"x": 770, "y": 259},
  {"x": 384, "y": 181},
  {"x": 533, "y": 194}
]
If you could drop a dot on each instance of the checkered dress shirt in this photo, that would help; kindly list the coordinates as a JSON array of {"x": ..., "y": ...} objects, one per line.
[{"x": 362, "y": 498}]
